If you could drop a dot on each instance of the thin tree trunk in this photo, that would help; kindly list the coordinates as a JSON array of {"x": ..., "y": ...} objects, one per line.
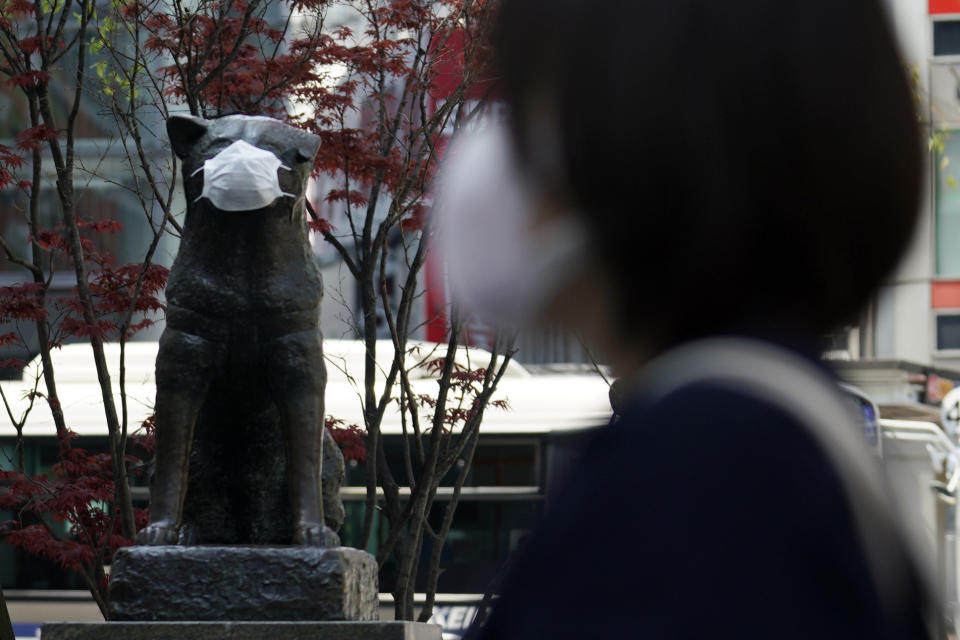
[
  {"x": 370, "y": 403},
  {"x": 65, "y": 189},
  {"x": 411, "y": 588},
  {"x": 433, "y": 568},
  {"x": 43, "y": 330},
  {"x": 401, "y": 552}
]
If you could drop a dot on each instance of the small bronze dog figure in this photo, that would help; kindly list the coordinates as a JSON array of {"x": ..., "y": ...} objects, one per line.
[{"x": 240, "y": 371}]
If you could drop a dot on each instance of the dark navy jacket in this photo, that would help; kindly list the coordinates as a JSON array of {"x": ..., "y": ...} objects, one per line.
[{"x": 706, "y": 514}]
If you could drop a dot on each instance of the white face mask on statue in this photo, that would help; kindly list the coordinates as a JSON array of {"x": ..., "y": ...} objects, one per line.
[
  {"x": 500, "y": 266},
  {"x": 242, "y": 177}
]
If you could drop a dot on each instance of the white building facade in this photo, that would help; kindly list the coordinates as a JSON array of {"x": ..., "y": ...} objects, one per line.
[{"x": 908, "y": 339}]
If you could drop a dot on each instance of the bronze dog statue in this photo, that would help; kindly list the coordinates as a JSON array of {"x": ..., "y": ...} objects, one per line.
[{"x": 240, "y": 372}]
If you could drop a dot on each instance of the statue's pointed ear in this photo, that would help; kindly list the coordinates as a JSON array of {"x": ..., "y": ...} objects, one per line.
[
  {"x": 183, "y": 132},
  {"x": 307, "y": 145}
]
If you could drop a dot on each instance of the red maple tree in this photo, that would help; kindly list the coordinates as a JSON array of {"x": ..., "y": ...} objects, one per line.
[{"x": 383, "y": 83}]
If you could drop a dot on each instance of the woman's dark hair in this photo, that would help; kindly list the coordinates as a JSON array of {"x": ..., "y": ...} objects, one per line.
[{"x": 737, "y": 162}]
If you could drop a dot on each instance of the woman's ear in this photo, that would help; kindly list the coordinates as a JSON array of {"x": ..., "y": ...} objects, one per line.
[{"x": 183, "y": 132}]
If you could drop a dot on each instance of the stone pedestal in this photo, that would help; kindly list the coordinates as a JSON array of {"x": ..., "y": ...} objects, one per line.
[
  {"x": 240, "y": 631},
  {"x": 253, "y": 583}
]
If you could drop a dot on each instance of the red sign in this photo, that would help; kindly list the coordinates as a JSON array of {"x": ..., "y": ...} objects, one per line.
[
  {"x": 944, "y": 6},
  {"x": 448, "y": 49},
  {"x": 945, "y": 294}
]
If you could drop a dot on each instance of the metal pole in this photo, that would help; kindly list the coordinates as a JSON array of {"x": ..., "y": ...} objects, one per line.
[{"x": 941, "y": 481}]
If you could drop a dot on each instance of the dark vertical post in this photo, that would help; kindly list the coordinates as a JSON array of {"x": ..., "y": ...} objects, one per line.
[
  {"x": 6, "y": 627},
  {"x": 941, "y": 513}
]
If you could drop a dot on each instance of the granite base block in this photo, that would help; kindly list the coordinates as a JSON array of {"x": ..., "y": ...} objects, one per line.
[
  {"x": 243, "y": 583},
  {"x": 240, "y": 631}
]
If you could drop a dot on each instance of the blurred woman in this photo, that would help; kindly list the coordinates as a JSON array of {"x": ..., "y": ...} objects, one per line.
[{"x": 703, "y": 189}]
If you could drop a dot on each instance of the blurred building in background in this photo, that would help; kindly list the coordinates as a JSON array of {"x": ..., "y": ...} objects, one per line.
[{"x": 905, "y": 351}]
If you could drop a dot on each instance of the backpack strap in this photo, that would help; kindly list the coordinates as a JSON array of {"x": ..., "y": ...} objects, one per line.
[{"x": 785, "y": 380}]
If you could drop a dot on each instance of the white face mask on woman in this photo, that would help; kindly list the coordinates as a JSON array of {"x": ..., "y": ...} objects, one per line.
[
  {"x": 501, "y": 264},
  {"x": 242, "y": 177}
]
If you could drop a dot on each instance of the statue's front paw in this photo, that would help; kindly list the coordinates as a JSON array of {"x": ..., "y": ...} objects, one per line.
[
  {"x": 158, "y": 533},
  {"x": 315, "y": 535},
  {"x": 187, "y": 536}
]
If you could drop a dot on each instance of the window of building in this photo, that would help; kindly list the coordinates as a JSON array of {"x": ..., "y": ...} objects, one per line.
[
  {"x": 946, "y": 37},
  {"x": 948, "y": 206},
  {"x": 947, "y": 326},
  {"x": 496, "y": 463},
  {"x": 483, "y": 535},
  {"x": 501, "y": 497}
]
